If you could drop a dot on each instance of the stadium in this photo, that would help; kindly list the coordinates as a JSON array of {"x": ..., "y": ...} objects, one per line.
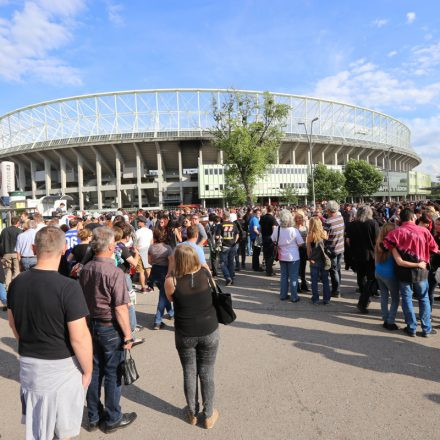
[{"x": 152, "y": 148}]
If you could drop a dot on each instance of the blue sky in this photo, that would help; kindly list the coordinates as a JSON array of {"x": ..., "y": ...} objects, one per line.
[{"x": 382, "y": 54}]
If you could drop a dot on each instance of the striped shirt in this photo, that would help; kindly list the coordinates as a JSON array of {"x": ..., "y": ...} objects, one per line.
[{"x": 335, "y": 230}]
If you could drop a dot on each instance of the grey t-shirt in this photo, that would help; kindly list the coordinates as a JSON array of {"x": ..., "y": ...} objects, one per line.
[{"x": 159, "y": 253}]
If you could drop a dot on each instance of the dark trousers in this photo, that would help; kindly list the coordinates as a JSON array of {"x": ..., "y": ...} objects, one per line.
[
  {"x": 335, "y": 273},
  {"x": 302, "y": 264},
  {"x": 107, "y": 357},
  {"x": 213, "y": 260},
  {"x": 197, "y": 355},
  {"x": 255, "y": 256},
  {"x": 268, "y": 249},
  {"x": 366, "y": 281},
  {"x": 432, "y": 284},
  {"x": 241, "y": 252}
]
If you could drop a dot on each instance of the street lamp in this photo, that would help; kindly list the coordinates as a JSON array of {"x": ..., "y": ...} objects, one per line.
[
  {"x": 309, "y": 139},
  {"x": 388, "y": 173}
]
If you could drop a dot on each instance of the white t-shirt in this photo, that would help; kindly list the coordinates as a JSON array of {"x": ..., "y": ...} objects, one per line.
[
  {"x": 290, "y": 239},
  {"x": 144, "y": 237},
  {"x": 144, "y": 240}
]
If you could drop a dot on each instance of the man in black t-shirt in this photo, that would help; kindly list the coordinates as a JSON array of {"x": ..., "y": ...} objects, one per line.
[
  {"x": 267, "y": 224},
  {"x": 228, "y": 233},
  {"x": 47, "y": 315}
]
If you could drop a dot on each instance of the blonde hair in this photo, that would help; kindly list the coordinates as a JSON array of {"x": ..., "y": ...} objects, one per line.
[
  {"x": 316, "y": 231},
  {"x": 381, "y": 255},
  {"x": 186, "y": 260}
]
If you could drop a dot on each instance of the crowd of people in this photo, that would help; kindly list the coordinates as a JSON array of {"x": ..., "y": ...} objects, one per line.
[{"x": 71, "y": 284}]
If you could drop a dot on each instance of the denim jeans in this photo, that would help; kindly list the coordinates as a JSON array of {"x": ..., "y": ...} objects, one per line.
[
  {"x": 249, "y": 245},
  {"x": 3, "y": 297},
  {"x": 388, "y": 287},
  {"x": 335, "y": 273},
  {"x": 241, "y": 252},
  {"x": 197, "y": 355},
  {"x": 107, "y": 357},
  {"x": 158, "y": 274},
  {"x": 27, "y": 262},
  {"x": 227, "y": 261},
  {"x": 421, "y": 293},
  {"x": 318, "y": 272},
  {"x": 289, "y": 276}
]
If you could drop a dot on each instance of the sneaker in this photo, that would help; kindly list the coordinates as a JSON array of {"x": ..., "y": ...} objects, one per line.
[
  {"x": 361, "y": 309},
  {"x": 138, "y": 341},
  {"x": 192, "y": 419},
  {"x": 170, "y": 318},
  {"x": 336, "y": 295},
  {"x": 315, "y": 303},
  {"x": 390, "y": 326},
  {"x": 228, "y": 281},
  {"x": 158, "y": 326},
  {"x": 210, "y": 421},
  {"x": 296, "y": 300},
  {"x": 409, "y": 332},
  {"x": 139, "y": 328},
  {"x": 325, "y": 303},
  {"x": 427, "y": 335}
]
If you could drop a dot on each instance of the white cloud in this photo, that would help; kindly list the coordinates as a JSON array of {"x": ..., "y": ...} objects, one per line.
[
  {"x": 29, "y": 38},
  {"x": 364, "y": 83},
  {"x": 114, "y": 13},
  {"x": 380, "y": 22},
  {"x": 425, "y": 133},
  {"x": 392, "y": 53},
  {"x": 426, "y": 58},
  {"x": 410, "y": 17}
]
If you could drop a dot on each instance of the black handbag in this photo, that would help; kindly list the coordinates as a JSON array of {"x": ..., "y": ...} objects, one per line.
[
  {"x": 276, "y": 256},
  {"x": 223, "y": 304},
  {"x": 129, "y": 370}
]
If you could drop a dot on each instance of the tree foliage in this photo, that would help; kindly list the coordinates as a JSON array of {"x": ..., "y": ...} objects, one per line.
[
  {"x": 289, "y": 196},
  {"x": 361, "y": 178},
  {"x": 329, "y": 184},
  {"x": 249, "y": 133}
]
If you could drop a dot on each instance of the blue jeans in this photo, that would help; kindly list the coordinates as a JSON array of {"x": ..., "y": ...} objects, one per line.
[
  {"x": 107, "y": 357},
  {"x": 27, "y": 262},
  {"x": 249, "y": 245},
  {"x": 421, "y": 293},
  {"x": 157, "y": 275},
  {"x": 388, "y": 287},
  {"x": 227, "y": 261},
  {"x": 289, "y": 275},
  {"x": 131, "y": 309},
  {"x": 335, "y": 273},
  {"x": 3, "y": 297},
  {"x": 317, "y": 272}
]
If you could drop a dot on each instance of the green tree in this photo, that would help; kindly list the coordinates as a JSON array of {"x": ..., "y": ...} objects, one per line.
[
  {"x": 361, "y": 178},
  {"x": 329, "y": 184},
  {"x": 249, "y": 133},
  {"x": 289, "y": 196}
]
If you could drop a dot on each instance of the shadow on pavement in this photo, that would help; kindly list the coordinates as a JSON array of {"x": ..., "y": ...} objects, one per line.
[
  {"x": 434, "y": 397},
  {"x": 9, "y": 362},
  {"x": 137, "y": 395}
]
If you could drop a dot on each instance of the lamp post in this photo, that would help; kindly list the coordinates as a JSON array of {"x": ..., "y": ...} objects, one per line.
[
  {"x": 309, "y": 139},
  {"x": 388, "y": 173}
]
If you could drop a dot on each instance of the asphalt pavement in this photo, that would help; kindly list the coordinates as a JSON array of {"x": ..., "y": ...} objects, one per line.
[{"x": 284, "y": 371}]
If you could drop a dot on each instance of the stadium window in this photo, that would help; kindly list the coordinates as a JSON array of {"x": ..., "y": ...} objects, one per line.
[
  {"x": 206, "y": 187},
  {"x": 206, "y": 172},
  {"x": 211, "y": 171},
  {"x": 220, "y": 171},
  {"x": 216, "y": 171}
]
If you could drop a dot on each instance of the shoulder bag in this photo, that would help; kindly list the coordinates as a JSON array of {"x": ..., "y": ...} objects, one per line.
[
  {"x": 222, "y": 303},
  {"x": 325, "y": 257},
  {"x": 276, "y": 256},
  {"x": 129, "y": 370}
]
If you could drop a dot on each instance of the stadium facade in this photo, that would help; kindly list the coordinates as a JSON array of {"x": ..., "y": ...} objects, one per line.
[{"x": 153, "y": 148}]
